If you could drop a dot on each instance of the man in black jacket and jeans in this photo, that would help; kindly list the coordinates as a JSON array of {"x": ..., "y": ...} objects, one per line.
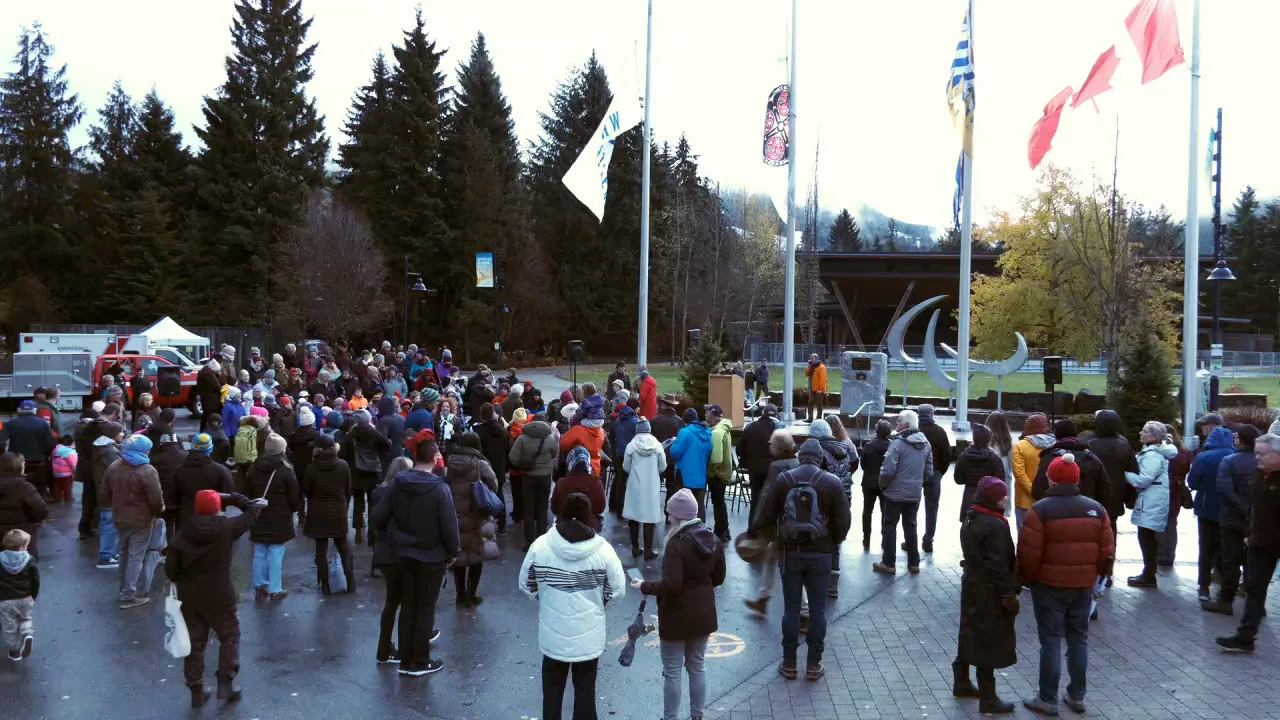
[
  {"x": 941, "y": 446},
  {"x": 1264, "y": 541},
  {"x": 753, "y": 452},
  {"x": 418, "y": 518},
  {"x": 806, "y": 559}
]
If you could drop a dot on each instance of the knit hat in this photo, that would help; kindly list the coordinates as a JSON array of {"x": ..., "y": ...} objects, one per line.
[
  {"x": 1064, "y": 470},
  {"x": 690, "y": 416},
  {"x": 520, "y": 415},
  {"x": 208, "y": 502},
  {"x": 363, "y": 417},
  {"x": 275, "y": 445},
  {"x": 271, "y": 373},
  {"x": 285, "y": 401},
  {"x": 334, "y": 419},
  {"x": 27, "y": 407},
  {"x": 682, "y": 505},
  {"x": 991, "y": 490},
  {"x": 1064, "y": 428},
  {"x": 411, "y": 444},
  {"x": 324, "y": 442},
  {"x": 1036, "y": 424},
  {"x": 429, "y": 396},
  {"x": 643, "y": 426},
  {"x": 579, "y": 460},
  {"x": 306, "y": 417},
  {"x": 593, "y": 408},
  {"x": 621, "y": 397},
  {"x": 819, "y": 429},
  {"x": 98, "y": 406},
  {"x": 925, "y": 411},
  {"x": 203, "y": 444},
  {"x": 135, "y": 450},
  {"x": 566, "y": 396}
]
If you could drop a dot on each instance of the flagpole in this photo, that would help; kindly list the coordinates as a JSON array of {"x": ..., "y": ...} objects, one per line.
[
  {"x": 642, "y": 341},
  {"x": 789, "y": 302},
  {"x": 966, "y": 263},
  {"x": 1191, "y": 251}
]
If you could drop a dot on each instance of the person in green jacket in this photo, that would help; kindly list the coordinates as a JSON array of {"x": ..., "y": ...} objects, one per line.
[{"x": 720, "y": 468}]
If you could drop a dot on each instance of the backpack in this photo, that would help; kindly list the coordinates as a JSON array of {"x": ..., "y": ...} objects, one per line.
[
  {"x": 244, "y": 449},
  {"x": 802, "y": 519},
  {"x": 366, "y": 458}
]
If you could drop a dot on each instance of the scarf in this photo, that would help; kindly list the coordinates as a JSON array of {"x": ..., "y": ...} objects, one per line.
[
  {"x": 989, "y": 511},
  {"x": 676, "y": 528}
]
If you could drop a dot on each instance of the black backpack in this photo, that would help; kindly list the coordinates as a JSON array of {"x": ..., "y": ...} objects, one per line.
[{"x": 802, "y": 519}]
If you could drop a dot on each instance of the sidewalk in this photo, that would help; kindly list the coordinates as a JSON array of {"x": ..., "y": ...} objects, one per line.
[{"x": 1151, "y": 655}]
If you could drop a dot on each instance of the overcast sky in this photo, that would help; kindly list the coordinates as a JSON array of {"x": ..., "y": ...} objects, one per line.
[{"x": 871, "y": 85}]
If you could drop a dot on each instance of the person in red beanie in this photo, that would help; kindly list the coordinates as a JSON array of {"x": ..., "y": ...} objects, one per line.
[
  {"x": 198, "y": 562},
  {"x": 988, "y": 597},
  {"x": 1064, "y": 545}
]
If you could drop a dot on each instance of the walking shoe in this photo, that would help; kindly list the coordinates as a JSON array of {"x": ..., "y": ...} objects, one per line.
[
  {"x": 1073, "y": 703},
  {"x": 419, "y": 669},
  {"x": 1203, "y": 594},
  {"x": 787, "y": 671},
  {"x": 228, "y": 690},
  {"x": 1035, "y": 704},
  {"x": 1143, "y": 580},
  {"x": 927, "y": 546},
  {"x": 1220, "y": 606},
  {"x": 26, "y": 646},
  {"x": 389, "y": 657},
  {"x": 866, "y": 546},
  {"x": 636, "y": 551},
  {"x": 111, "y": 564},
  {"x": 435, "y": 635},
  {"x": 913, "y": 569},
  {"x": 260, "y": 593},
  {"x": 15, "y": 656},
  {"x": 813, "y": 673},
  {"x": 833, "y": 587},
  {"x": 278, "y": 596},
  {"x": 199, "y": 695},
  {"x": 133, "y": 602},
  {"x": 359, "y": 536},
  {"x": 650, "y": 556},
  {"x": 884, "y": 569},
  {"x": 961, "y": 685},
  {"x": 759, "y": 606},
  {"x": 1236, "y": 643}
]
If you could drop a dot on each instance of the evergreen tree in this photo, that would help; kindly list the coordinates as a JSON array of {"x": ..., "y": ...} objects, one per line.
[
  {"x": 1255, "y": 266},
  {"x": 892, "y": 231},
  {"x": 265, "y": 148},
  {"x": 37, "y": 163},
  {"x": 877, "y": 245},
  {"x": 1145, "y": 388},
  {"x": 844, "y": 235},
  {"x": 703, "y": 361},
  {"x": 365, "y": 178}
]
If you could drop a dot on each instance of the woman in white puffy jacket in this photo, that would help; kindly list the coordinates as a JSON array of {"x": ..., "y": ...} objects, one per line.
[
  {"x": 573, "y": 573},
  {"x": 1151, "y": 511}
]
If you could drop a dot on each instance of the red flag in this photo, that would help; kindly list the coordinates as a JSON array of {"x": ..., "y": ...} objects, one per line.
[
  {"x": 1043, "y": 131},
  {"x": 1099, "y": 79},
  {"x": 1153, "y": 25}
]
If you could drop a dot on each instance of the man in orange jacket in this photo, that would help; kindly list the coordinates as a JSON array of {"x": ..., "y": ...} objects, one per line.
[{"x": 817, "y": 374}]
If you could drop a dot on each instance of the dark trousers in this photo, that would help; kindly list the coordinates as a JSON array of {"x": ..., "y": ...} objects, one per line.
[
  {"x": 1262, "y": 565},
  {"x": 675, "y": 482},
  {"x": 466, "y": 580},
  {"x": 88, "y": 502},
  {"x": 555, "y": 674},
  {"x": 38, "y": 474},
  {"x": 756, "y": 480},
  {"x": 869, "y": 496},
  {"x": 517, "y": 496},
  {"x": 537, "y": 495},
  {"x": 225, "y": 623},
  {"x": 634, "y": 528},
  {"x": 890, "y": 511},
  {"x": 1167, "y": 541},
  {"x": 700, "y": 494},
  {"x": 817, "y": 400},
  {"x": 390, "y": 606},
  {"x": 502, "y": 496},
  {"x": 322, "y": 561},
  {"x": 932, "y": 495},
  {"x": 361, "y": 497},
  {"x": 1147, "y": 543},
  {"x": 1233, "y": 556},
  {"x": 420, "y": 589},
  {"x": 1210, "y": 550},
  {"x": 1062, "y": 613},
  {"x": 810, "y": 572},
  {"x": 720, "y": 506}
]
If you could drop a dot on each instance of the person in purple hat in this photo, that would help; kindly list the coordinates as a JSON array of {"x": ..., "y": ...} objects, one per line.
[{"x": 988, "y": 597}]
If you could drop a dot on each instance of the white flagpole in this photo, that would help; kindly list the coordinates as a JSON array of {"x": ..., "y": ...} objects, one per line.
[
  {"x": 1191, "y": 250},
  {"x": 966, "y": 263},
  {"x": 642, "y": 342},
  {"x": 789, "y": 303}
]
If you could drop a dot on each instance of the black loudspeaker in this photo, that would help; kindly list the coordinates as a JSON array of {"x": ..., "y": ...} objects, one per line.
[
  {"x": 1053, "y": 370},
  {"x": 576, "y": 351},
  {"x": 169, "y": 380}
]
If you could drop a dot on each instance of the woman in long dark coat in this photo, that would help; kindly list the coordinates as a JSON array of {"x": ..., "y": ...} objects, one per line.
[
  {"x": 988, "y": 597},
  {"x": 327, "y": 487},
  {"x": 466, "y": 465}
]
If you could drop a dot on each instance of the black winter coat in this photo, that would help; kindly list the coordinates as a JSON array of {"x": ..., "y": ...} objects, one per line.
[
  {"x": 199, "y": 472},
  {"x": 974, "y": 464},
  {"x": 666, "y": 426},
  {"x": 987, "y": 636},
  {"x": 327, "y": 485},
  {"x": 23, "y": 584},
  {"x": 166, "y": 459},
  {"x": 1117, "y": 456},
  {"x": 495, "y": 443},
  {"x": 391, "y": 425},
  {"x": 692, "y": 568},
  {"x": 301, "y": 447},
  {"x": 275, "y": 524},
  {"x": 198, "y": 560},
  {"x": 30, "y": 436},
  {"x": 753, "y": 447},
  {"x": 21, "y": 507},
  {"x": 872, "y": 458},
  {"x": 1094, "y": 481},
  {"x": 366, "y": 438},
  {"x": 939, "y": 443}
]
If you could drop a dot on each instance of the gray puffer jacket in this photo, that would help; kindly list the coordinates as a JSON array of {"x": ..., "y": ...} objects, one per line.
[
  {"x": 525, "y": 453},
  {"x": 906, "y": 463}
]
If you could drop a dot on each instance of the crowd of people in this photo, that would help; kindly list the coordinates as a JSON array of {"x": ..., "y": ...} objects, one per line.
[{"x": 428, "y": 467}]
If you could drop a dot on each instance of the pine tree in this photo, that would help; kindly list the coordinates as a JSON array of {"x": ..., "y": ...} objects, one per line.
[
  {"x": 1145, "y": 388},
  {"x": 365, "y": 178},
  {"x": 893, "y": 236},
  {"x": 705, "y": 359},
  {"x": 845, "y": 235},
  {"x": 1254, "y": 266},
  {"x": 37, "y": 163},
  {"x": 265, "y": 148}
]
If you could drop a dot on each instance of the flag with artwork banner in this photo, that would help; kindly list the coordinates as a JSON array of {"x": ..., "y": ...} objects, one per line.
[
  {"x": 776, "y": 148},
  {"x": 588, "y": 178},
  {"x": 961, "y": 98}
]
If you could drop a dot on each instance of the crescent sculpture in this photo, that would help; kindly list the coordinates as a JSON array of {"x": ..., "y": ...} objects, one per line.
[{"x": 929, "y": 357}]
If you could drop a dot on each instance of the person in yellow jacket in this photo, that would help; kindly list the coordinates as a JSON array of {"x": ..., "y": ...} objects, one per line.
[
  {"x": 817, "y": 374},
  {"x": 1026, "y": 461},
  {"x": 720, "y": 466}
]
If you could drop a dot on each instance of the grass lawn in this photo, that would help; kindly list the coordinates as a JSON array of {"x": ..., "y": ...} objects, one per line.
[{"x": 919, "y": 384}]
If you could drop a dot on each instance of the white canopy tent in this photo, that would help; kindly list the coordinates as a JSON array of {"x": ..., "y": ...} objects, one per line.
[{"x": 167, "y": 332}]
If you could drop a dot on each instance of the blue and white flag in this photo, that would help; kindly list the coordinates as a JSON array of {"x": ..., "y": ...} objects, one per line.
[
  {"x": 959, "y": 197},
  {"x": 960, "y": 98},
  {"x": 588, "y": 178}
]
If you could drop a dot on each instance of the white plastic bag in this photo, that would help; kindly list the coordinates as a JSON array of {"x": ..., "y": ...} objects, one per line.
[
  {"x": 176, "y": 639},
  {"x": 337, "y": 575}
]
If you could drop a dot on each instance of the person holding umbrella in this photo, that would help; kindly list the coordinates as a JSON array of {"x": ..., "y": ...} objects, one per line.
[{"x": 692, "y": 568}]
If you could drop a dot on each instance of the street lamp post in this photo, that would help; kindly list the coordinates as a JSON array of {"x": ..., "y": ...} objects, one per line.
[
  {"x": 418, "y": 286},
  {"x": 1220, "y": 270}
]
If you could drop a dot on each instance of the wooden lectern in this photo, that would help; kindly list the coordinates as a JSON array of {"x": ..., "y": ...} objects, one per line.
[{"x": 728, "y": 392}]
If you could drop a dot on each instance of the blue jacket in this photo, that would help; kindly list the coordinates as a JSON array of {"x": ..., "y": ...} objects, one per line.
[
  {"x": 1203, "y": 477},
  {"x": 1234, "y": 473},
  {"x": 419, "y": 418},
  {"x": 624, "y": 430},
  {"x": 691, "y": 451},
  {"x": 232, "y": 411}
]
